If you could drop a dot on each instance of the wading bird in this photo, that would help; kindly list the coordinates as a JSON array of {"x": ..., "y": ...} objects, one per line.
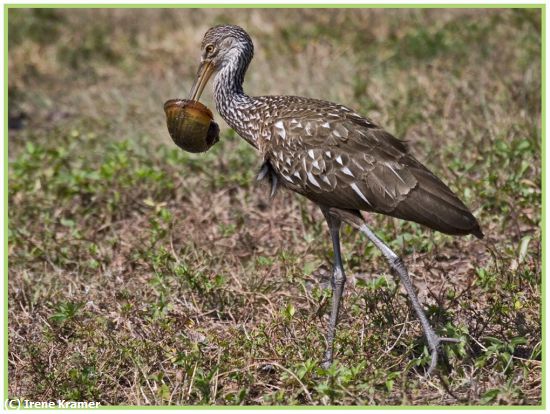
[{"x": 335, "y": 157}]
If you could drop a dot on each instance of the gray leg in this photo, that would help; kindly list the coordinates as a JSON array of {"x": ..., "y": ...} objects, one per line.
[
  {"x": 338, "y": 282},
  {"x": 397, "y": 265}
]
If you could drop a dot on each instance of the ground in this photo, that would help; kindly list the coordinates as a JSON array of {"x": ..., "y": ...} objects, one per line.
[{"x": 143, "y": 275}]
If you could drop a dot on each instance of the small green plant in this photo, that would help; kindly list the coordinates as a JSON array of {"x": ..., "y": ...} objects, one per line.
[
  {"x": 500, "y": 354},
  {"x": 66, "y": 311}
]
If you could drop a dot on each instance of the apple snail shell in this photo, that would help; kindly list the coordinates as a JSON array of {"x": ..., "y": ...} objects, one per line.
[{"x": 191, "y": 125}]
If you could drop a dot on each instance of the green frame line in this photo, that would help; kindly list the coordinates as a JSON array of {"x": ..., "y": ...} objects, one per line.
[
  {"x": 541, "y": 6},
  {"x": 274, "y": 6},
  {"x": 543, "y": 196},
  {"x": 6, "y": 342}
]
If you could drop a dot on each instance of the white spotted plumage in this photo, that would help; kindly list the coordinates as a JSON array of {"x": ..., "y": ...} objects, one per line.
[{"x": 326, "y": 151}]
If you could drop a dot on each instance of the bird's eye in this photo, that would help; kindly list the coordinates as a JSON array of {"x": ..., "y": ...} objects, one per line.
[{"x": 209, "y": 49}]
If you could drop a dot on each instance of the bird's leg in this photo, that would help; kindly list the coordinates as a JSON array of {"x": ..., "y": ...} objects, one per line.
[
  {"x": 338, "y": 281},
  {"x": 398, "y": 266}
]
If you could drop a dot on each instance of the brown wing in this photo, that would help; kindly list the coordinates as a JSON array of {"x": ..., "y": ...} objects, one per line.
[{"x": 341, "y": 160}]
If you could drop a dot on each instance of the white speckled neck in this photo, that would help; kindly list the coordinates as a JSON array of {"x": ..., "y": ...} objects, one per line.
[{"x": 232, "y": 103}]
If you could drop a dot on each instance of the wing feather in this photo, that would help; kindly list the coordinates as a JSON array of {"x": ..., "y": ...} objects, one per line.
[{"x": 345, "y": 161}]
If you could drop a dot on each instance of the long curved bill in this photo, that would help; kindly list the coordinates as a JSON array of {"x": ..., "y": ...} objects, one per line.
[{"x": 203, "y": 75}]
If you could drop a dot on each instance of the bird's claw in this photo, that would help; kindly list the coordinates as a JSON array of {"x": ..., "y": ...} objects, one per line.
[
  {"x": 449, "y": 341},
  {"x": 435, "y": 347},
  {"x": 433, "y": 364}
]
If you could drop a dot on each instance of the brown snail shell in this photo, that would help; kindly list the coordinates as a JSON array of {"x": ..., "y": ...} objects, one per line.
[{"x": 191, "y": 125}]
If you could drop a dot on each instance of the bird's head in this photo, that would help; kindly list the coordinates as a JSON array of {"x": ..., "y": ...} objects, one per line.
[{"x": 222, "y": 46}]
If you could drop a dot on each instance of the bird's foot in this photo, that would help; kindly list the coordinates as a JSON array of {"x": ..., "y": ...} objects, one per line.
[
  {"x": 435, "y": 346},
  {"x": 327, "y": 359}
]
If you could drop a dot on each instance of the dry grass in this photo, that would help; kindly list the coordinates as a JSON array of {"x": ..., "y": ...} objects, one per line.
[{"x": 139, "y": 274}]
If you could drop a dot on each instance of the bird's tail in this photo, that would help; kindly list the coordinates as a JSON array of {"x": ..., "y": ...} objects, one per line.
[{"x": 434, "y": 205}]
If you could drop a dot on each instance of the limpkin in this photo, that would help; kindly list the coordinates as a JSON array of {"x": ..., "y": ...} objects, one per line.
[{"x": 337, "y": 158}]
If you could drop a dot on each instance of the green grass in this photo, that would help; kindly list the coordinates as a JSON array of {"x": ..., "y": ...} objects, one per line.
[{"x": 140, "y": 274}]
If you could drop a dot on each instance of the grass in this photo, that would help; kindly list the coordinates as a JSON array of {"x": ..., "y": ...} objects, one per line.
[{"x": 143, "y": 275}]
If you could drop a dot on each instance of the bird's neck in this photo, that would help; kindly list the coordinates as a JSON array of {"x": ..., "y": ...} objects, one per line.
[{"x": 235, "y": 107}]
